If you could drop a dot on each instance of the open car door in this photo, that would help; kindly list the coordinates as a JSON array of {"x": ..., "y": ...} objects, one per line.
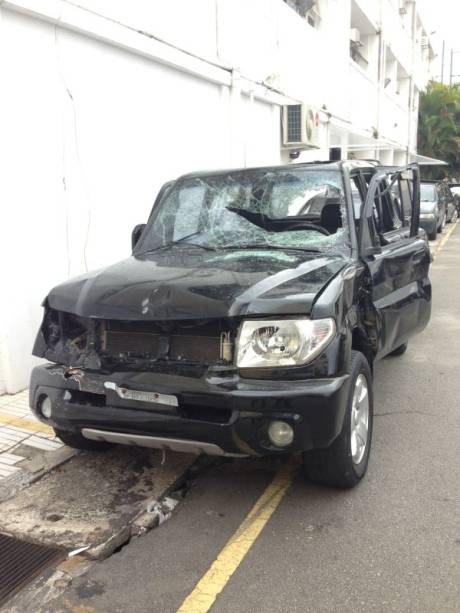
[{"x": 396, "y": 254}]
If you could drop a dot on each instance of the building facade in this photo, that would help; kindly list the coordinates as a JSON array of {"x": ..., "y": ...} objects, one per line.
[{"x": 103, "y": 101}]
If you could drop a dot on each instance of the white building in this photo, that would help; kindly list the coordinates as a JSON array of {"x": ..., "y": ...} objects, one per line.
[{"x": 104, "y": 100}]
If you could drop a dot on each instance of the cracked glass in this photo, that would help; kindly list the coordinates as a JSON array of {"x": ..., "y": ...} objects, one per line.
[{"x": 298, "y": 209}]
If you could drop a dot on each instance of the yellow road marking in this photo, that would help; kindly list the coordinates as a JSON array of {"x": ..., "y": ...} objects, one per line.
[
  {"x": 215, "y": 579},
  {"x": 445, "y": 239},
  {"x": 10, "y": 420}
]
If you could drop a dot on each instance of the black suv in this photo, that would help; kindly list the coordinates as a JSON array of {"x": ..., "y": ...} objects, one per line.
[{"x": 246, "y": 321}]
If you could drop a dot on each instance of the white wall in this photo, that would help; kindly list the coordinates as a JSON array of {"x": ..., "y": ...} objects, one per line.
[
  {"x": 187, "y": 24},
  {"x": 89, "y": 134}
]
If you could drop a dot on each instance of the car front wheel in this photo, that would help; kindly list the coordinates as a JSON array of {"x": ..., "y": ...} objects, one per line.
[{"x": 344, "y": 463}]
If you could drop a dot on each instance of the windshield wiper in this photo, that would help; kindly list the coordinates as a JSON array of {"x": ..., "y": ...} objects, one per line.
[
  {"x": 184, "y": 241},
  {"x": 184, "y": 238},
  {"x": 206, "y": 247}
]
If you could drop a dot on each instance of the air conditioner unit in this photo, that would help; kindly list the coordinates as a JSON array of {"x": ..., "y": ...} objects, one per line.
[
  {"x": 300, "y": 127},
  {"x": 355, "y": 37}
]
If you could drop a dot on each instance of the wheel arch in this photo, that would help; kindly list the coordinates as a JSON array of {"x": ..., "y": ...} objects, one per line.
[{"x": 361, "y": 342}]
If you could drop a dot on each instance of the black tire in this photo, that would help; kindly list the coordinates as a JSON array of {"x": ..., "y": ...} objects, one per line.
[
  {"x": 399, "y": 350},
  {"x": 77, "y": 441},
  {"x": 334, "y": 466},
  {"x": 433, "y": 235}
]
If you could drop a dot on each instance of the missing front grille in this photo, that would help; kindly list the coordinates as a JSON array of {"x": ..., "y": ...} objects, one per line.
[
  {"x": 87, "y": 398},
  {"x": 203, "y": 413},
  {"x": 186, "y": 347}
]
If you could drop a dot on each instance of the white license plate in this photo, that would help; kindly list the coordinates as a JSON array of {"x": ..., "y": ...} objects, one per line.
[{"x": 141, "y": 396}]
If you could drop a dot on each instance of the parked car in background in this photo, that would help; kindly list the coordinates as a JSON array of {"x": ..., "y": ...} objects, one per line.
[
  {"x": 453, "y": 204},
  {"x": 455, "y": 189},
  {"x": 247, "y": 319},
  {"x": 437, "y": 207}
]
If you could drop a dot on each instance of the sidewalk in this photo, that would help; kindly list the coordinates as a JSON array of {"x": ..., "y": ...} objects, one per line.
[{"x": 20, "y": 433}]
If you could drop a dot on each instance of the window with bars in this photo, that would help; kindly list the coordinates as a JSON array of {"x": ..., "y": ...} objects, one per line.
[{"x": 294, "y": 123}]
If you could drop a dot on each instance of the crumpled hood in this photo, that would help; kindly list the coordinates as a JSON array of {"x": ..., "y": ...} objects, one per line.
[{"x": 191, "y": 284}]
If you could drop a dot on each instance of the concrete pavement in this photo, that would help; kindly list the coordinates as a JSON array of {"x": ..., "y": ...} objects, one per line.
[{"x": 28, "y": 448}]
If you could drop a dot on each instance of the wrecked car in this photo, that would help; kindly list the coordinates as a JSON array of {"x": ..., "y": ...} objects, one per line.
[{"x": 247, "y": 320}]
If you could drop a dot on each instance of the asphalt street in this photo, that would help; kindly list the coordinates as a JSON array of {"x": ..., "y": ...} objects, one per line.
[{"x": 392, "y": 544}]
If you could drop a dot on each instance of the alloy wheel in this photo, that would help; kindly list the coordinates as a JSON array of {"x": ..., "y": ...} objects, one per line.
[{"x": 359, "y": 419}]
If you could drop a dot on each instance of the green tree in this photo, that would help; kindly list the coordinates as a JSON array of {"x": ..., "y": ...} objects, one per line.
[{"x": 439, "y": 129}]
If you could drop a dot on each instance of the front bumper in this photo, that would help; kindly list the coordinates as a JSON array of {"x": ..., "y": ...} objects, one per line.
[{"x": 222, "y": 414}]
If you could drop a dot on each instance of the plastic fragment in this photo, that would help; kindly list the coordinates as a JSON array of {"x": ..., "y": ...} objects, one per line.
[
  {"x": 75, "y": 552},
  {"x": 162, "y": 509}
]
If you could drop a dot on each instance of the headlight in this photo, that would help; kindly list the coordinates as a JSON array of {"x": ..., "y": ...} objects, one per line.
[
  {"x": 283, "y": 342},
  {"x": 427, "y": 215}
]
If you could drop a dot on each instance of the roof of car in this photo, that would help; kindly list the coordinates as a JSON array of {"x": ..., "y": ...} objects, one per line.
[{"x": 318, "y": 165}]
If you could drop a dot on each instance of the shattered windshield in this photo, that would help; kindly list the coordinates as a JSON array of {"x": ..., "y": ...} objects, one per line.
[{"x": 298, "y": 209}]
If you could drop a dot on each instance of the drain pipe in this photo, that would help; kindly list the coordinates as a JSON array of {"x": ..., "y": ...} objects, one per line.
[
  {"x": 235, "y": 119},
  {"x": 380, "y": 69},
  {"x": 411, "y": 84}
]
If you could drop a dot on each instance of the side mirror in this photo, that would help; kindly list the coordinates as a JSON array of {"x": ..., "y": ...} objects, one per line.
[{"x": 136, "y": 234}]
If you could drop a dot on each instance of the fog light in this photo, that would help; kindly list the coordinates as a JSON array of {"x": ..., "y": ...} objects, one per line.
[
  {"x": 46, "y": 407},
  {"x": 280, "y": 433}
]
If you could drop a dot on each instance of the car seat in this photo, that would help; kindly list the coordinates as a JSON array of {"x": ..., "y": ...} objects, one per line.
[{"x": 331, "y": 216}]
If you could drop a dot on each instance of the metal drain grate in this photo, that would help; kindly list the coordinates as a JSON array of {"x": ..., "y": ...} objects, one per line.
[{"x": 21, "y": 561}]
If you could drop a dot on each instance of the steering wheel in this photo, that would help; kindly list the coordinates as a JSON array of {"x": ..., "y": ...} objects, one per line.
[{"x": 306, "y": 224}]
